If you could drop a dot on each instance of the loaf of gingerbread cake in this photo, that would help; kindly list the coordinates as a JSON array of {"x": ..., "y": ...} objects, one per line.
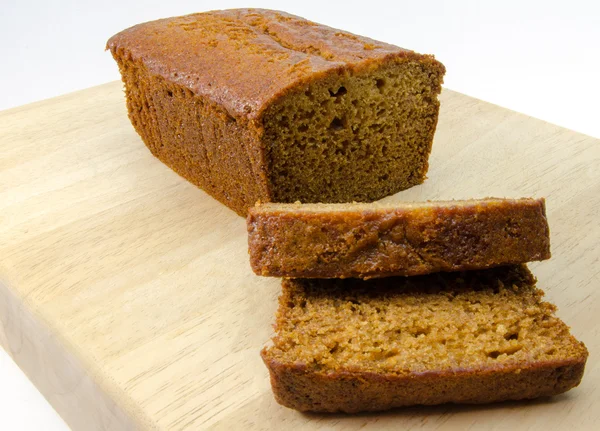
[
  {"x": 474, "y": 337},
  {"x": 368, "y": 240},
  {"x": 253, "y": 104}
]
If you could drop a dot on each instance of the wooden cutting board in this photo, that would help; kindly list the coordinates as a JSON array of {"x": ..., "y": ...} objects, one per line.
[{"x": 126, "y": 294}]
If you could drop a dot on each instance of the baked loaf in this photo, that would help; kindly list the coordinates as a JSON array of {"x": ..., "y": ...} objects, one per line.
[
  {"x": 473, "y": 337},
  {"x": 253, "y": 104},
  {"x": 379, "y": 240}
]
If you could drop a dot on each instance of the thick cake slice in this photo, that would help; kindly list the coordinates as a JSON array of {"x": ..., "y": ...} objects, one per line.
[
  {"x": 379, "y": 240},
  {"x": 254, "y": 104},
  {"x": 473, "y": 337}
]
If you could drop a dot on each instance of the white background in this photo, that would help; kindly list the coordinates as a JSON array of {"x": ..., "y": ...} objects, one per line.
[{"x": 537, "y": 57}]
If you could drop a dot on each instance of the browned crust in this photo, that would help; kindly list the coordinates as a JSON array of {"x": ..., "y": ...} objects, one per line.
[
  {"x": 244, "y": 59},
  {"x": 195, "y": 137},
  {"x": 298, "y": 387},
  {"x": 403, "y": 240}
]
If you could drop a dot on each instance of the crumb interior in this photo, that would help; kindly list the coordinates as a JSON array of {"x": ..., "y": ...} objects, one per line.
[
  {"x": 354, "y": 136},
  {"x": 451, "y": 321}
]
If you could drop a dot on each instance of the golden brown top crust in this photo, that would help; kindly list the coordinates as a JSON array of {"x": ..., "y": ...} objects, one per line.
[
  {"x": 244, "y": 58},
  {"x": 351, "y": 208}
]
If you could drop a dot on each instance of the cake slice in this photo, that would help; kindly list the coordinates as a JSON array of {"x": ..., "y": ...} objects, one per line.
[
  {"x": 255, "y": 104},
  {"x": 472, "y": 337},
  {"x": 380, "y": 240}
]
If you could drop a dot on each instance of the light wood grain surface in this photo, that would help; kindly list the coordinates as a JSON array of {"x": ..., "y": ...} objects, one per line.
[{"x": 127, "y": 297}]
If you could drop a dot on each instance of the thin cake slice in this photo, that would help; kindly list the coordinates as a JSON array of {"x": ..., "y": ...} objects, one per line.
[
  {"x": 472, "y": 337},
  {"x": 379, "y": 240}
]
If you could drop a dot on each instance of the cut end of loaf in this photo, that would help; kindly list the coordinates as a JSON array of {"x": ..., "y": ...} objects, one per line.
[
  {"x": 354, "y": 135},
  {"x": 255, "y": 104}
]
